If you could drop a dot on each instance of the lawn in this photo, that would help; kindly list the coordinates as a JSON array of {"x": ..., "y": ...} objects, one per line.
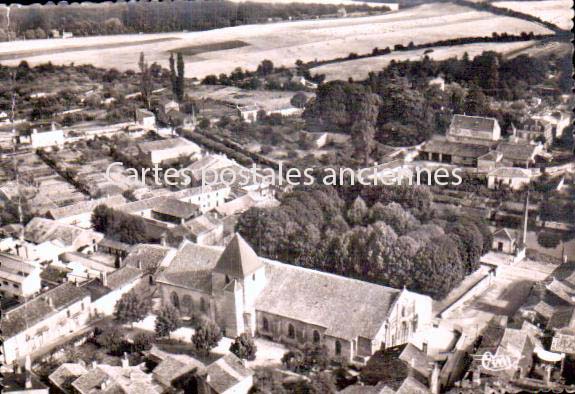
[{"x": 558, "y": 12}]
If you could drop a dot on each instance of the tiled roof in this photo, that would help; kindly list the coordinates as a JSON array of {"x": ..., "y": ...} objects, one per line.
[
  {"x": 412, "y": 386},
  {"x": 65, "y": 373},
  {"x": 173, "y": 366},
  {"x": 38, "y": 309},
  {"x": 416, "y": 359},
  {"x": 16, "y": 383},
  {"x": 563, "y": 344},
  {"x": 474, "y": 123},
  {"x": 192, "y": 267},
  {"x": 170, "y": 143},
  {"x": 147, "y": 256},
  {"x": 176, "y": 208},
  {"x": 86, "y": 206},
  {"x": 203, "y": 224},
  {"x": 238, "y": 259},
  {"x": 123, "y": 276},
  {"x": 116, "y": 380},
  {"x": 319, "y": 298},
  {"x": 227, "y": 372},
  {"x": 113, "y": 244},
  {"x": 510, "y": 172},
  {"x": 503, "y": 233},
  {"x": 512, "y": 151},
  {"x": 40, "y": 230},
  {"x": 14, "y": 268},
  {"x": 438, "y": 145}
]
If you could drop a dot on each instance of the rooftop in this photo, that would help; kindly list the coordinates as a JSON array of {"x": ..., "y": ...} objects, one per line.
[
  {"x": 473, "y": 123},
  {"x": 40, "y": 230},
  {"x": 440, "y": 145},
  {"x": 85, "y": 207},
  {"x": 176, "y": 208},
  {"x": 238, "y": 259},
  {"x": 202, "y": 224},
  {"x": 226, "y": 372},
  {"x": 39, "y": 308},
  {"x": 14, "y": 268},
  {"x": 522, "y": 152},
  {"x": 171, "y": 143},
  {"x": 510, "y": 172}
]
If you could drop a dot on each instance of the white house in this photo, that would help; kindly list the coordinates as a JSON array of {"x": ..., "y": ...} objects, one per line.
[
  {"x": 80, "y": 214},
  {"x": 47, "y": 138},
  {"x": 109, "y": 288},
  {"x": 511, "y": 177},
  {"x": 145, "y": 118},
  {"x": 248, "y": 113},
  {"x": 44, "y": 320},
  {"x": 19, "y": 279},
  {"x": 156, "y": 152}
]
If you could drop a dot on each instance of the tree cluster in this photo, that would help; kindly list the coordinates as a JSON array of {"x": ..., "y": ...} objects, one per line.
[
  {"x": 388, "y": 236},
  {"x": 119, "y": 225}
]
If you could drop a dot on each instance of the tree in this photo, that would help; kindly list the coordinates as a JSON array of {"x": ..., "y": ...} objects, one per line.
[
  {"x": 142, "y": 341},
  {"x": 180, "y": 80},
  {"x": 244, "y": 347},
  {"x": 111, "y": 340},
  {"x": 206, "y": 337},
  {"x": 173, "y": 75},
  {"x": 393, "y": 214},
  {"x": 132, "y": 307},
  {"x": 100, "y": 218},
  {"x": 145, "y": 81},
  {"x": 265, "y": 68},
  {"x": 357, "y": 212},
  {"x": 299, "y": 100},
  {"x": 476, "y": 102},
  {"x": 167, "y": 321},
  {"x": 322, "y": 383}
]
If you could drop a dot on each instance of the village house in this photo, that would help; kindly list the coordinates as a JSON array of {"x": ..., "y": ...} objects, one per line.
[
  {"x": 80, "y": 214},
  {"x": 207, "y": 166},
  {"x": 475, "y": 130},
  {"x": 114, "y": 248},
  {"x": 61, "y": 237},
  {"x": 437, "y": 81},
  {"x": 441, "y": 150},
  {"x": 82, "y": 267},
  {"x": 162, "y": 151},
  {"x": 44, "y": 320},
  {"x": 302, "y": 81},
  {"x": 64, "y": 375},
  {"x": 205, "y": 230},
  {"x": 43, "y": 136},
  {"x": 490, "y": 161},
  {"x": 532, "y": 131},
  {"x": 510, "y": 177},
  {"x": 106, "y": 290},
  {"x": 520, "y": 155},
  {"x": 504, "y": 241},
  {"x": 145, "y": 118},
  {"x": 248, "y": 113},
  {"x": 103, "y": 378},
  {"x": 23, "y": 381},
  {"x": 245, "y": 293},
  {"x": 19, "y": 279},
  {"x": 174, "y": 211},
  {"x": 559, "y": 120}
]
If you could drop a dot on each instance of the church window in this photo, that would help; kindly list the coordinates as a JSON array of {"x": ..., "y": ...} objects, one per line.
[
  {"x": 403, "y": 312},
  {"x": 188, "y": 303},
  {"x": 203, "y": 305},
  {"x": 265, "y": 324},
  {"x": 414, "y": 324},
  {"x": 291, "y": 331},
  {"x": 175, "y": 300},
  {"x": 316, "y": 336},
  {"x": 227, "y": 279},
  {"x": 404, "y": 331},
  {"x": 337, "y": 348}
]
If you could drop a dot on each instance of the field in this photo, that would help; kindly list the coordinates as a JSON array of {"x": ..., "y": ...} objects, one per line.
[
  {"x": 558, "y": 12},
  {"x": 336, "y": 2},
  {"x": 283, "y": 42},
  {"x": 360, "y": 68}
]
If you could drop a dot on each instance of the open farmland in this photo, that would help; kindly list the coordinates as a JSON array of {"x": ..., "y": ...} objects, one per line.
[
  {"x": 283, "y": 43},
  {"x": 360, "y": 68},
  {"x": 336, "y": 2},
  {"x": 558, "y": 12}
]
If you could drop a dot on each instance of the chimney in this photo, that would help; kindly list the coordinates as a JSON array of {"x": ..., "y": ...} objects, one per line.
[
  {"x": 139, "y": 265},
  {"x": 50, "y": 302},
  {"x": 104, "y": 279},
  {"x": 435, "y": 385},
  {"x": 28, "y": 381},
  {"x": 94, "y": 363},
  {"x": 125, "y": 361},
  {"x": 163, "y": 239}
]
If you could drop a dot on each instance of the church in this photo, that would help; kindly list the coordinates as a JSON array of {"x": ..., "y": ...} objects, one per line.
[{"x": 242, "y": 292}]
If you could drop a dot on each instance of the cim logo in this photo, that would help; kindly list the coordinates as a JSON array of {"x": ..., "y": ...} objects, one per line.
[{"x": 495, "y": 363}]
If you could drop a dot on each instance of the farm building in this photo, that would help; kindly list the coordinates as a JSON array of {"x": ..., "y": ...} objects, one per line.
[
  {"x": 145, "y": 118},
  {"x": 248, "y": 113},
  {"x": 504, "y": 241},
  {"x": 474, "y": 130}
]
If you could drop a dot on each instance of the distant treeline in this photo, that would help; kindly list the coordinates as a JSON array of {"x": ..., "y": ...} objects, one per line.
[
  {"x": 35, "y": 22},
  {"x": 485, "y": 6},
  {"x": 495, "y": 37}
]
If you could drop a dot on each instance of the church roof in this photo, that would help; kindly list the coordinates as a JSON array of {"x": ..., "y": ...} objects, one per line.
[{"x": 238, "y": 259}]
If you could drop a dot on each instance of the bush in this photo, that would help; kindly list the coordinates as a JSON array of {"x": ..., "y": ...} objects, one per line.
[
  {"x": 244, "y": 347},
  {"x": 548, "y": 239},
  {"x": 206, "y": 337},
  {"x": 143, "y": 341}
]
